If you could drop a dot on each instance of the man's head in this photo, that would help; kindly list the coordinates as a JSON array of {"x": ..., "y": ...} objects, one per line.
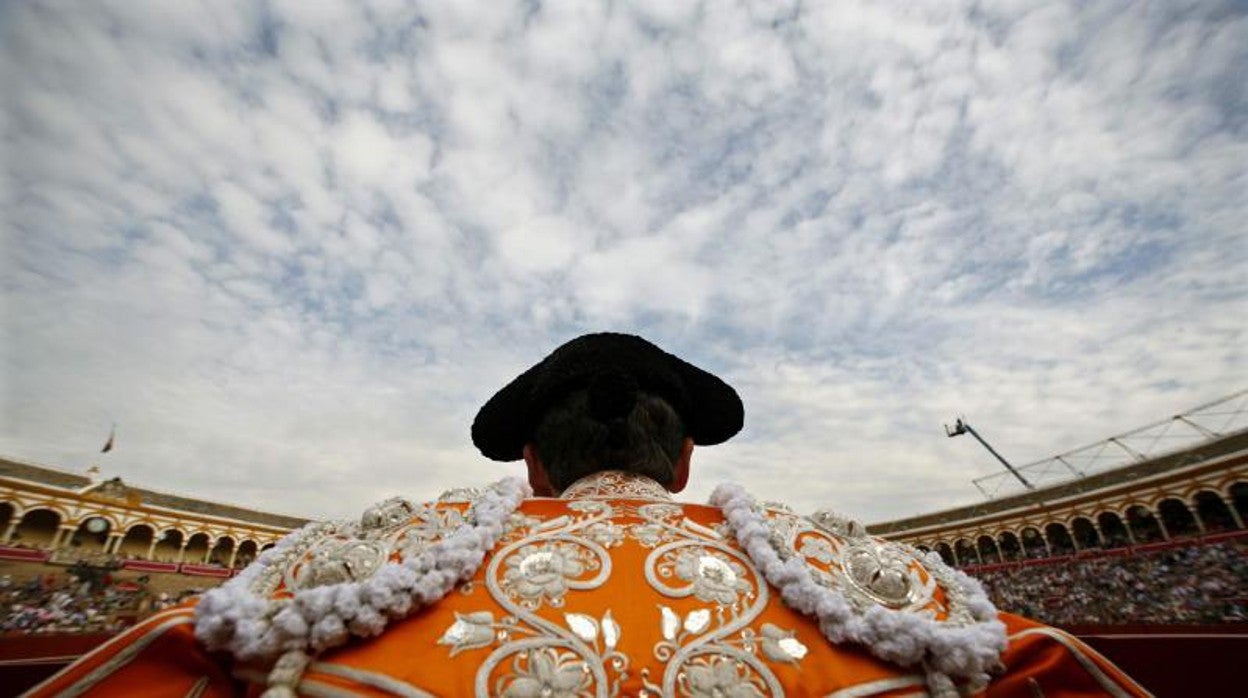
[{"x": 607, "y": 402}]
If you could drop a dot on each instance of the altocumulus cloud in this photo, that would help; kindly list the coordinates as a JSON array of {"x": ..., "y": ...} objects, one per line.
[{"x": 290, "y": 247}]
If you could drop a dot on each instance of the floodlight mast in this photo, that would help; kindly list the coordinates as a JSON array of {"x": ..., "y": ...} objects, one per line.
[{"x": 961, "y": 427}]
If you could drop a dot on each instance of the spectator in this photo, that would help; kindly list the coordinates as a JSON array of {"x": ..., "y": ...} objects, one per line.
[{"x": 1191, "y": 585}]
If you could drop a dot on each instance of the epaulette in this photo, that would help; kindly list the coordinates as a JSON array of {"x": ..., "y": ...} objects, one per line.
[
  {"x": 330, "y": 580},
  {"x": 901, "y": 605}
]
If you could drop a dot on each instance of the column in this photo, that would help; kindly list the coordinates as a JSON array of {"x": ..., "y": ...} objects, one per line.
[
  {"x": 113, "y": 544},
  {"x": 64, "y": 534},
  {"x": 1230, "y": 506},
  {"x": 151, "y": 549},
  {"x": 208, "y": 553},
  {"x": 233, "y": 554},
  {"x": 14, "y": 521},
  {"x": 1200, "y": 524},
  {"x": 1161, "y": 525},
  {"x": 182, "y": 550}
]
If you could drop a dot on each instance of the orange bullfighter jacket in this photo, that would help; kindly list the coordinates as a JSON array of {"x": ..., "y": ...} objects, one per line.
[{"x": 611, "y": 590}]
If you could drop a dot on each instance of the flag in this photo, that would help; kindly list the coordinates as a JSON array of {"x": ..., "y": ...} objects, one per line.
[{"x": 108, "y": 445}]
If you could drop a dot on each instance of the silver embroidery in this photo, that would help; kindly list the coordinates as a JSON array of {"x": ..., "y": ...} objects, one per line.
[
  {"x": 780, "y": 645},
  {"x": 615, "y": 484},
  {"x": 392, "y": 512},
  {"x": 719, "y": 677},
  {"x": 470, "y": 631},
  {"x": 335, "y": 562},
  {"x": 881, "y": 572},
  {"x": 547, "y": 673},
  {"x": 543, "y": 571},
  {"x": 706, "y": 650}
]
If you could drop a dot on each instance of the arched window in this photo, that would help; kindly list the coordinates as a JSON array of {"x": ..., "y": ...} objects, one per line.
[
  {"x": 946, "y": 554},
  {"x": 1084, "y": 533},
  {"x": 92, "y": 535},
  {"x": 246, "y": 553},
  {"x": 222, "y": 552},
  {"x": 1239, "y": 500},
  {"x": 168, "y": 545},
  {"x": 1060, "y": 542},
  {"x": 37, "y": 529},
  {"x": 1213, "y": 511},
  {"x": 6, "y": 513},
  {"x": 196, "y": 549},
  {"x": 967, "y": 554},
  {"x": 988, "y": 549},
  {"x": 1177, "y": 518},
  {"x": 1034, "y": 544},
  {"x": 1114, "y": 533},
  {"x": 137, "y": 541},
  {"x": 1144, "y": 525},
  {"x": 1010, "y": 548}
]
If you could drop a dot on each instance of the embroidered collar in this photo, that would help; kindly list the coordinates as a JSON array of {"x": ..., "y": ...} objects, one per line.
[{"x": 616, "y": 484}]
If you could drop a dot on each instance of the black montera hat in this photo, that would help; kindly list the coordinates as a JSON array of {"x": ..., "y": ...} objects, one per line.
[{"x": 613, "y": 367}]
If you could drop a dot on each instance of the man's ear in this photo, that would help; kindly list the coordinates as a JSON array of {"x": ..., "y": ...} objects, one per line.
[
  {"x": 539, "y": 480},
  {"x": 680, "y": 477}
]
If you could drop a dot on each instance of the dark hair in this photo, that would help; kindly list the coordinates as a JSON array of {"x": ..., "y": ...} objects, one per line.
[{"x": 572, "y": 443}]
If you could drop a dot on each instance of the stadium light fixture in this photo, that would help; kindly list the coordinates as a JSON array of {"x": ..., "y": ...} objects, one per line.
[{"x": 961, "y": 427}]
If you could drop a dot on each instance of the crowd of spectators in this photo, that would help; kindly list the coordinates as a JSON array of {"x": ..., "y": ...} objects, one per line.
[
  {"x": 1197, "y": 584},
  {"x": 64, "y": 603}
]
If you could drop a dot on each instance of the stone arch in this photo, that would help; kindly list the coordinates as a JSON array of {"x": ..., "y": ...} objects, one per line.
[
  {"x": 946, "y": 553},
  {"x": 247, "y": 551},
  {"x": 1114, "y": 531},
  {"x": 987, "y": 546},
  {"x": 168, "y": 545},
  {"x": 1034, "y": 544},
  {"x": 196, "y": 548},
  {"x": 222, "y": 551},
  {"x": 1213, "y": 511},
  {"x": 1237, "y": 493},
  {"x": 1145, "y": 527},
  {"x": 38, "y": 528},
  {"x": 9, "y": 519},
  {"x": 1177, "y": 518},
  {"x": 1084, "y": 533},
  {"x": 1009, "y": 545},
  {"x": 86, "y": 540},
  {"x": 137, "y": 541},
  {"x": 1059, "y": 538},
  {"x": 967, "y": 554}
]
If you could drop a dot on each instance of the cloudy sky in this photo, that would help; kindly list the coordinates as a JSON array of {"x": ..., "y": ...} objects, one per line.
[{"x": 289, "y": 248}]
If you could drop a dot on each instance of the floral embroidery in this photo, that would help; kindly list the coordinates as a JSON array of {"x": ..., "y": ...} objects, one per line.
[
  {"x": 648, "y": 534},
  {"x": 779, "y": 645},
  {"x": 817, "y": 548},
  {"x": 714, "y": 579},
  {"x": 469, "y": 632},
  {"x": 545, "y": 672},
  {"x": 540, "y": 571},
  {"x": 606, "y": 533},
  {"x": 616, "y": 484},
  {"x": 718, "y": 677}
]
